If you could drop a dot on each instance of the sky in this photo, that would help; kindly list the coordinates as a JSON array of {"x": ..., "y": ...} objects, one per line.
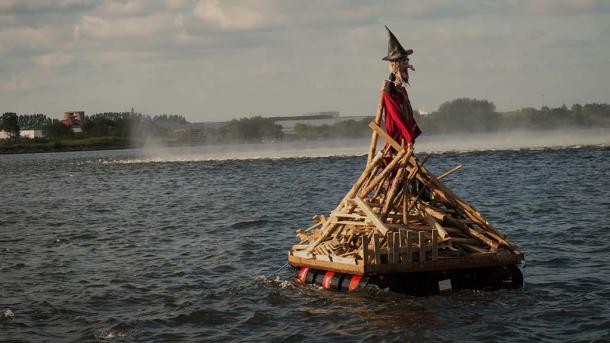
[{"x": 213, "y": 60}]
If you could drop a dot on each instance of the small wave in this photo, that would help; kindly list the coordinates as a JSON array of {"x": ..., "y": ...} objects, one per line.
[
  {"x": 246, "y": 224},
  {"x": 107, "y": 334},
  {"x": 258, "y": 318},
  {"x": 299, "y": 155},
  {"x": 277, "y": 281},
  {"x": 304, "y": 154},
  {"x": 207, "y": 316}
]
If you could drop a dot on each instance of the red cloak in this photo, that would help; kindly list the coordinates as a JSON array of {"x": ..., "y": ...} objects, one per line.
[{"x": 399, "y": 121}]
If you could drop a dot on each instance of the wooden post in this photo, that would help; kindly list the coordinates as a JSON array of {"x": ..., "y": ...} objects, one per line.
[
  {"x": 396, "y": 247},
  {"x": 365, "y": 249},
  {"x": 402, "y": 238},
  {"x": 377, "y": 120},
  {"x": 434, "y": 245},
  {"x": 391, "y": 243},
  {"x": 422, "y": 243},
  {"x": 410, "y": 239},
  {"x": 377, "y": 249}
]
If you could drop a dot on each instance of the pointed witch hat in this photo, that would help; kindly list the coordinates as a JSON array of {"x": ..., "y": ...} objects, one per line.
[{"x": 395, "y": 50}]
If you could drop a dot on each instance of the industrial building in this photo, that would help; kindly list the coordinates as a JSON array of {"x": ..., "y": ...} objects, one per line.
[
  {"x": 313, "y": 119},
  {"x": 74, "y": 120}
]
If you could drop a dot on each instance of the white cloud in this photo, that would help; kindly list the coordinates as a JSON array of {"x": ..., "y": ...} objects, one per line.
[
  {"x": 177, "y": 3},
  {"x": 44, "y": 5},
  {"x": 125, "y": 56},
  {"x": 16, "y": 84},
  {"x": 122, "y": 28},
  {"x": 53, "y": 60},
  {"x": 122, "y": 7},
  {"x": 567, "y": 6},
  {"x": 43, "y": 38},
  {"x": 229, "y": 17}
]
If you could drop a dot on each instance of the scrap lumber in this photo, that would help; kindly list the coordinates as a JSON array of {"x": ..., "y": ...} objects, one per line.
[{"x": 399, "y": 217}]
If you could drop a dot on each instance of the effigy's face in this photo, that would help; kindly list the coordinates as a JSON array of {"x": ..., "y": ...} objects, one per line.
[{"x": 403, "y": 68}]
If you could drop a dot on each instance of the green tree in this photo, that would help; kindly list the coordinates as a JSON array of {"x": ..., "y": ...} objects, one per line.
[
  {"x": 252, "y": 129},
  {"x": 466, "y": 115},
  {"x": 33, "y": 121},
  {"x": 9, "y": 122},
  {"x": 56, "y": 129}
]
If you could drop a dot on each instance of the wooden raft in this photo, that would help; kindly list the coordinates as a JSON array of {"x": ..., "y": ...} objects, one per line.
[{"x": 399, "y": 218}]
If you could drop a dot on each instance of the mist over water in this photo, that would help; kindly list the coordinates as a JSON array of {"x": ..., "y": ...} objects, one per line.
[{"x": 513, "y": 140}]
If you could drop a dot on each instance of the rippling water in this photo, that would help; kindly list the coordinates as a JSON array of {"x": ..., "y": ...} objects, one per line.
[{"x": 116, "y": 246}]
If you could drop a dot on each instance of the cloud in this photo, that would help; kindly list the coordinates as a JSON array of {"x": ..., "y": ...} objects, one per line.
[
  {"x": 177, "y": 3},
  {"x": 53, "y": 60},
  {"x": 25, "y": 39},
  {"x": 16, "y": 84},
  {"x": 229, "y": 17},
  {"x": 122, "y": 28},
  {"x": 19, "y": 6},
  {"x": 566, "y": 6},
  {"x": 122, "y": 7}
]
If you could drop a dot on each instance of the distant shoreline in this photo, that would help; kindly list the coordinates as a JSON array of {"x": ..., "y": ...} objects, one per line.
[
  {"x": 506, "y": 140},
  {"x": 64, "y": 145}
]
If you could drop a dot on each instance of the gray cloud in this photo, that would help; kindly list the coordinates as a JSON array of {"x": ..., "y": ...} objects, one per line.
[
  {"x": 28, "y": 6},
  {"x": 212, "y": 59}
]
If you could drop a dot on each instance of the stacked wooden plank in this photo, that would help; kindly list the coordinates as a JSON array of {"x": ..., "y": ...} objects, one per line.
[{"x": 399, "y": 217}]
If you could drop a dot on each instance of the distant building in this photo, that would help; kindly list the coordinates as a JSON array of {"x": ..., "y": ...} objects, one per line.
[
  {"x": 423, "y": 112},
  {"x": 74, "y": 120},
  {"x": 191, "y": 132},
  {"x": 313, "y": 119},
  {"x": 23, "y": 133},
  {"x": 31, "y": 133}
]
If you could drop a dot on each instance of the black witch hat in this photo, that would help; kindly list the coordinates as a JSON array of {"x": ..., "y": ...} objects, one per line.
[{"x": 395, "y": 50}]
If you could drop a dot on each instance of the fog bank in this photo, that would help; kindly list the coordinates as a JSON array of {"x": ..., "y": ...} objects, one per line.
[{"x": 514, "y": 140}]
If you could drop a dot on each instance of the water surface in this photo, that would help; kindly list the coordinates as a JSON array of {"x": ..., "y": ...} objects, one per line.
[{"x": 126, "y": 246}]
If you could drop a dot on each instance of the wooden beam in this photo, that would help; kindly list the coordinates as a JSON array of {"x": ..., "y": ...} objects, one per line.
[
  {"x": 377, "y": 120},
  {"x": 399, "y": 157},
  {"x": 389, "y": 200},
  {"x": 449, "y": 172},
  {"x": 296, "y": 261},
  {"x": 473, "y": 261},
  {"x": 371, "y": 215},
  {"x": 385, "y": 136},
  {"x": 435, "y": 226}
]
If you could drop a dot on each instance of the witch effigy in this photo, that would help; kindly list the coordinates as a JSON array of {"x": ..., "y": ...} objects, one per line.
[{"x": 400, "y": 226}]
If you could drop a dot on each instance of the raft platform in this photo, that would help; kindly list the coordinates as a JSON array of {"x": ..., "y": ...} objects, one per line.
[{"x": 400, "y": 222}]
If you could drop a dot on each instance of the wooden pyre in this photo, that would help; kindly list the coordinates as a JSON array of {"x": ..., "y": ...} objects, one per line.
[{"x": 398, "y": 218}]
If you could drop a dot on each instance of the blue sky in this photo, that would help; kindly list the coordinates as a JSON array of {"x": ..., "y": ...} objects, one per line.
[{"x": 216, "y": 60}]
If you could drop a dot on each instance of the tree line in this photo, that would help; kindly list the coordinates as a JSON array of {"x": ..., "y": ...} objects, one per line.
[
  {"x": 107, "y": 124},
  {"x": 465, "y": 115},
  {"x": 468, "y": 115}
]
